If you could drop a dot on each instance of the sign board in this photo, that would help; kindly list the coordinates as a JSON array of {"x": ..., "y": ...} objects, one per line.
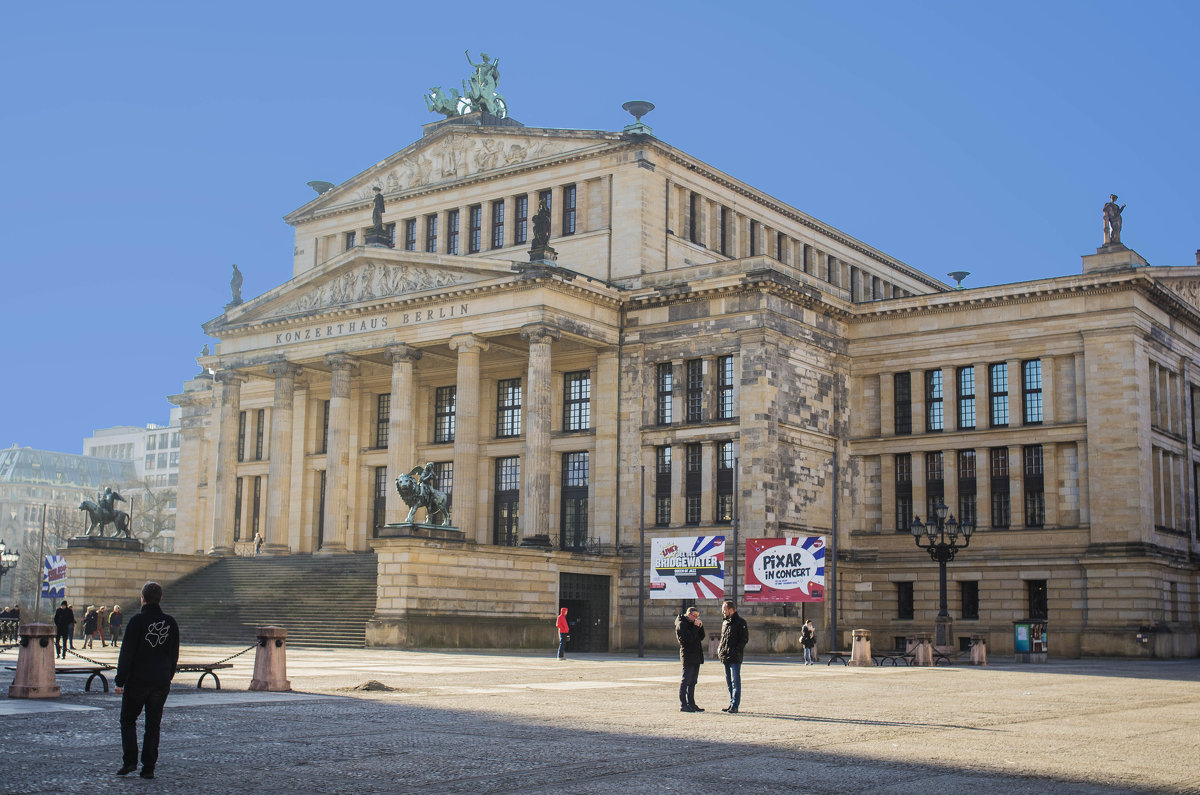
[
  {"x": 54, "y": 577},
  {"x": 691, "y": 567},
  {"x": 785, "y": 569}
]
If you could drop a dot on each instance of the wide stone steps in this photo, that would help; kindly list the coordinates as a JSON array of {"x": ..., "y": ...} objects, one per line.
[{"x": 321, "y": 601}]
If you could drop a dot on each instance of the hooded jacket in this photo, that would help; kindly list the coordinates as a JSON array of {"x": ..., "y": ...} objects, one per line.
[
  {"x": 562, "y": 624},
  {"x": 691, "y": 641},
  {"x": 150, "y": 650},
  {"x": 734, "y": 636}
]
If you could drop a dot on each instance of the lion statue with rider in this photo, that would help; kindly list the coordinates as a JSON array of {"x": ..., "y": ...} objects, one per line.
[{"x": 417, "y": 488}]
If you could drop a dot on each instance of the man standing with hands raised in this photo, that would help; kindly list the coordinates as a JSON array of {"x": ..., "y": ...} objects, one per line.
[{"x": 690, "y": 632}]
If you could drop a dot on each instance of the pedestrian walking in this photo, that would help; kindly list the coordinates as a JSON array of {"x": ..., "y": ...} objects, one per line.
[
  {"x": 145, "y": 668},
  {"x": 115, "y": 620},
  {"x": 734, "y": 636},
  {"x": 64, "y": 620},
  {"x": 89, "y": 626},
  {"x": 808, "y": 639},
  {"x": 689, "y": 630},
  {"x": 564, "y": 632},
  {"x": 101, "y": 621}
]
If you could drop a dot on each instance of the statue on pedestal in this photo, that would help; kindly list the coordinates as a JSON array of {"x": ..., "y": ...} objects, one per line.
[
  {"x": 377, "y": 211},
  {"x": 1112, "y": 221},
  {"x": 235, "y": 286},
  {"x": 539, "y": 249},
  {"x": 416, "y": 488},
  {"x": 479, "y": 92},
  {"x": 103, "y": 512}
]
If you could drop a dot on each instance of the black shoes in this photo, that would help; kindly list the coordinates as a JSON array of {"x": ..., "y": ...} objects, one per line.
[
  {"x": 688, "y": 708},
  {"x": 732, "y": 710},
  {"x": 126, "y": 769},
  {"x": 695, "y": 708},
  {"x": 147, "y": 773},
  {"x": 726, "y": 709}
]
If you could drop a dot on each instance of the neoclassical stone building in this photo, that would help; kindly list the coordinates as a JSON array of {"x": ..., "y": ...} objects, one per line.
[{"x": 691, "y": 326}]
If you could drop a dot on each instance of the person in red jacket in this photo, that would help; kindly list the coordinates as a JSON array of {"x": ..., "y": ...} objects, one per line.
[{"x": 563, "y": 629}]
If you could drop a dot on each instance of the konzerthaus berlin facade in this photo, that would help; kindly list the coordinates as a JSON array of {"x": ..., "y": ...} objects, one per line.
[{"x": 690, "y": 325}]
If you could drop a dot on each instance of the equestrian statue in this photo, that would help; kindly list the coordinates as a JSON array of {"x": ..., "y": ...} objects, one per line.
[
  {"x": 103, "y": 512},
  {"x": 417, "y": 490}
]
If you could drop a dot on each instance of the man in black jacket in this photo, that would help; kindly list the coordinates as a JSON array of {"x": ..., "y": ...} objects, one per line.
[
  {"x": 144, "y": 672},
  {"x": 64, "y": 617},
  {"x": 690, "y": 632},
  {"x": 734, "y": 636}
]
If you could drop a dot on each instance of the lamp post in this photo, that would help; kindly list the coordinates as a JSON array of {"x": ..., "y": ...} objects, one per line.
[
  {"x": 8, "y": 560},
  {"x": 943, "y": 551}
]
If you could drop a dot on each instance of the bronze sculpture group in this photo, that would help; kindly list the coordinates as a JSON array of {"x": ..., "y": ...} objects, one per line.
[
  {"x": 479, "y": 92},
  {"x": 417, "y": 489},
  {"x": 103, "y": 512}
]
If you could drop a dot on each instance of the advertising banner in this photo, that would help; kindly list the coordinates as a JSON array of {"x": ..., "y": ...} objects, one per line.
[
  {"x": 692, "y": 567},
  {"x": 54, "y": 577},
  {"x": 785, "y": 569}
]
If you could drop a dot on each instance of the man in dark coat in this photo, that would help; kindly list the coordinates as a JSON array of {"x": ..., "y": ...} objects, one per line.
[
  {"x": 690, "y": 632},
  {"x": 64, "y": 617},
  {"x": 144, "y": 672},
  {"x": 734, "y": 636}
]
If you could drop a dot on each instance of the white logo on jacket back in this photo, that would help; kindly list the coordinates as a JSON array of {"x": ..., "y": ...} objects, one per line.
[{"x": 156, "y": 633}]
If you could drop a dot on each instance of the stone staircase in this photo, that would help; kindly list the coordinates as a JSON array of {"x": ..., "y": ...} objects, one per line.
[{"x": 320, "y": 600}]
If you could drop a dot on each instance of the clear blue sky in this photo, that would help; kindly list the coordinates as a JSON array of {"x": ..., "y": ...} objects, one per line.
[{"x": 147, "y": 146}]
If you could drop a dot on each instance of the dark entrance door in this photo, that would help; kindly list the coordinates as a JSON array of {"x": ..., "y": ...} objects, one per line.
[{"x": 586, "y": 598}]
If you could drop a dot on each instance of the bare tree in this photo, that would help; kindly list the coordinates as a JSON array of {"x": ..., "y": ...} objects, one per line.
[
  {"x": 153, "y": 517},
  {"x": 62, "y": 522}
]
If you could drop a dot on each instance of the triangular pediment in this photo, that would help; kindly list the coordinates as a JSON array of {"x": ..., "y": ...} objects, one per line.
[
  {"x": 1183, "y": 281},
  {"x": 363, "y": 277},
  {"x": 453, "y": 154}
]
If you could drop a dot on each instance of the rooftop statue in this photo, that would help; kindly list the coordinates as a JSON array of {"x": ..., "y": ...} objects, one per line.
[
  {"x": 1112, "y": 221},
  {"x": 235, "y": 286},
  {"x": 377, "y": 210},
  {"x": 479, "y": 92}
]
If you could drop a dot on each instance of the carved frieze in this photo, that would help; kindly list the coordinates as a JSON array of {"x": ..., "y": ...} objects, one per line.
[
  {"x": 366, "y": 282},
  {"x": 1187, "y": 289}
]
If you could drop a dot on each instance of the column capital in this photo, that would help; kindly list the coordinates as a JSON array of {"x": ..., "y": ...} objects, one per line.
[
  {"x": 540, "y": 332},
  {"x": 339, "y": 361},
  {"x": 283, "y": 369},
  {"x": 461, "y": 343},
  {"x": 401, "y": 353},
  {"x": 230, "y": 377}
]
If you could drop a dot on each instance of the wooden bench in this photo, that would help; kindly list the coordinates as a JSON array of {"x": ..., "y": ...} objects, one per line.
[
  {"x": 837, "y": 656},
  {"x": 94, "y": 671},
  {"x": 207, "y": 669}
]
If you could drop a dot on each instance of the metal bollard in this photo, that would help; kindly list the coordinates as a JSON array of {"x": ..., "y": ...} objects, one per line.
[
  {"x": 34, "y": 677},
  {"x": 270, "y": 660},
  {"x": 860, "y": 652}
]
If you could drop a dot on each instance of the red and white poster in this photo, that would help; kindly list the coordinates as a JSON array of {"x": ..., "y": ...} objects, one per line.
[{"x": 785, "y": 569}]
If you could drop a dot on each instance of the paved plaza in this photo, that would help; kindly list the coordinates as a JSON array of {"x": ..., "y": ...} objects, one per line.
[{"x": 484, "y": 722}]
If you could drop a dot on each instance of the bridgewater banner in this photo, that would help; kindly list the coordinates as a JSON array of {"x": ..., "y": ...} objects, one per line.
[
  {"x": 54, "y": 577},
  {"x": 785, "y": 569},
  {"x": 692, "y": 567}
]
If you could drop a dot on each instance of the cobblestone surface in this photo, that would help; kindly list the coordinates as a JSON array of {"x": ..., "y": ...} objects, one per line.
[{"x": 475, "y": 722}]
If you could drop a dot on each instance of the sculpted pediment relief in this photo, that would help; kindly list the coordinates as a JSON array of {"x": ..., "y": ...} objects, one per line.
[{"x": 1187, "y": 288}]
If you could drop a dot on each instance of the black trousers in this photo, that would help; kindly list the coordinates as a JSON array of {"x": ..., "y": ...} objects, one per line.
[
  {"x": 60, "y": 643},
  {"x": 687, "y": 685},
  {"x": 135, "y": 699}
]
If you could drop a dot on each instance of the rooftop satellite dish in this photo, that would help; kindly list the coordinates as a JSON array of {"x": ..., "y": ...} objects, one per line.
[
  {"x": 958, "y": 276},
  {"x": 320, "y": 186},
  {"x": 638, "y": 108}
]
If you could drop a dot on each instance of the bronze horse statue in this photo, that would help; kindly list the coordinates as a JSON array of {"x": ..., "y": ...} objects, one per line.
[
  {"x": 96, "y": 518},
  {"x": 434, "y": 502}
]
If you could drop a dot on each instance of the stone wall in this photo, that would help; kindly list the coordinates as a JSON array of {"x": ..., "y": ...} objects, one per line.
[{"x": 101, "y": 576}]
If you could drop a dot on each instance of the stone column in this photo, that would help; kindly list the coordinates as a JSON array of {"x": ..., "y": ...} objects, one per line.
[
  {"x": 466, "y": 435},
  {"x": 279, "y": 476},
  {"x": 535, "y": 469},
  {"x": 229, "y": 398},
  {"x": 337, "y": 457},
  {"x": 401, "y": 426}
]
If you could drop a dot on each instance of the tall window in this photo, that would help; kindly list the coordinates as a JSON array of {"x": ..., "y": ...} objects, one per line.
[
  {"x": 390, "y": 231},
  {"x": 379, "y": 498},
  {"x": 967, "y": 488},
  {"x": 324, "y": 427},
  {"x": 521, "y": 219},
  {"x": 241, "y": 448},
  {"x": 693, "y": 232},
  {"x": 506, "y": 530},
  {"x": 666, "y": 387},
  {"x": 1001, "y": 516},
  {"x": 237, "y": 510},
  {"x": 1031, "y": 388},
  {"x": 431, "y": 233},
  {"x": 383, "y": 418},
  {"x": 508, "y": 408},
  {"x": 904, "y": 601},
  {"x": 724, "y": 387},
  {"x": 321, "y": 512},
  {"x": 350, "y": 240},
  {"x": 935, "y": 484},
  {"x": 498, "y": 224},
  {"x": 695, "y": 390},
  {"x": 568, "y": 210},
  {"x": 998, "y": 393},
  {"x": 902, "y": 402},
  {"x": 753, "y": 238},
  {"x": 577, "y": 401},
  {"x": 725, "y": 231},
  {"x": 574, "y": 519},
  {"x": 256, "y": 507},
  {"x": 260, "y": 423},
  {"x": 1035, "y": 486},
  {"x": 693, "y": 486},
  {"x": 934, "y": 411},
  {"x": 475, "y": 229},
  {"x": 662, "y": 486},
  {"x": 1038, "y": 606},
  {"x": 452, "y": 232},
  {"x": 966, "y": 398},
  {"x": 443, "y": 479},
  {"x": 779, "y": 241},
  {"x": 444, "y": 409},
  {"x": 904, "y": 496},
  {"x": 410, "y": 234},
  {"x": 969, "y": 590},
  {"x": 724, "y": 482}
]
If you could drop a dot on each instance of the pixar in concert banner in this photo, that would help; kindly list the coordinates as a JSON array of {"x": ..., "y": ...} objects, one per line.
[{"x": 785, "y": 569}]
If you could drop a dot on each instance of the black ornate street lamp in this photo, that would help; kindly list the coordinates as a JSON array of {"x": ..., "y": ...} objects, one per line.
[
  {"x": 8, "y": 560},
  {"x": 943, "y": 551}
]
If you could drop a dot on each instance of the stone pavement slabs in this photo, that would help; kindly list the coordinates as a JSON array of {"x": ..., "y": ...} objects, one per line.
[{"x": 494, "y": 722}]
